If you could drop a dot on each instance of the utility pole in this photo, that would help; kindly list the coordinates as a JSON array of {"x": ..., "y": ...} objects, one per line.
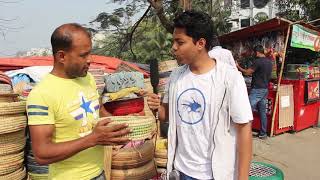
[
  {"x": 251, "y": 13},
  {"x": 270, "y": 9}
]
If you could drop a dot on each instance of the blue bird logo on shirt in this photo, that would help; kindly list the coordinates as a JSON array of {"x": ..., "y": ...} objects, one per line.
[
  {"x": 194, "y": 106},
  {"x": 191, "y": 106}
]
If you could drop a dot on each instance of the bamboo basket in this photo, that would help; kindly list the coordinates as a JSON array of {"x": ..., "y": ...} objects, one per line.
[
  {"x": 8, "y": 98},
  {"x": 128, "y": 158},
  {"x": 161, "y": 154},
  {"x": 5, "y": 89},
  {"x": 12, "y": 108},
  {"x": 147, "y": 171},
  {"x": 142, "y": 126},
  {"x": 10, "y": 163},
  {"x": 166, "y": 66},
  {"x": 34, "y": 176},
  {"x": 12, "y": 142},
  {"x": 17, "y": 175},
  {"x": 12, "y": 123},
  {"x": 161, "y": 162}
]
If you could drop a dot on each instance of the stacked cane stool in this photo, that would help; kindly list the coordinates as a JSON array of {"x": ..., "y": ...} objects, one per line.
[
  {"x": 98, "y": 75},
  {"x": 12, "y": 133},
  {"x": 134, "y": 161}
]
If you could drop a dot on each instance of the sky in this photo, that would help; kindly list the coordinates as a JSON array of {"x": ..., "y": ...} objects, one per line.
[{"x": 35, "y": 20}]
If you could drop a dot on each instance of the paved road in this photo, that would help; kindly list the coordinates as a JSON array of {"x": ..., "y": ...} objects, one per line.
[{"x": 297, "y": 155}]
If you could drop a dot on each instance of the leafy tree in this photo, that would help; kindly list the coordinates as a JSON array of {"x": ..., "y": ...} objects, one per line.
[
  {"x": 299, "y": 9},
  {"x": 151, "y": 34}
]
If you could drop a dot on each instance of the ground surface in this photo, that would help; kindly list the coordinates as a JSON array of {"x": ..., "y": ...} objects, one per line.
[{"x": 297, "y": 155}]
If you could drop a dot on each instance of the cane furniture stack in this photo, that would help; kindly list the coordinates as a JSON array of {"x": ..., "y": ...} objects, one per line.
[
  {"x": 12, "y": 132},
  {"x": 135, "y": 160}
]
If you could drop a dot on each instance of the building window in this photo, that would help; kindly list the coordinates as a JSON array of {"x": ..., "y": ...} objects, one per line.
[
  {"x": 260, "y": 3},
  {"x": 245, "y": 22},
  {"x": 227, "y": 3},
  {"x": 244, "y": 4}
]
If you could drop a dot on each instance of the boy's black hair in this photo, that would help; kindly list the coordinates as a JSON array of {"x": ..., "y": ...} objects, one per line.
[{"x": 197, "y": 25}]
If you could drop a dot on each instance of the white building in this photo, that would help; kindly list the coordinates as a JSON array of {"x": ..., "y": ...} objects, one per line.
[{"x": 245, "y": 13}]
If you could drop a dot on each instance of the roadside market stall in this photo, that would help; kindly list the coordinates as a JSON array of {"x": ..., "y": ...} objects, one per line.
[
  {"x": 293, "y": 100},
  {"x": 119, "y": 84}
]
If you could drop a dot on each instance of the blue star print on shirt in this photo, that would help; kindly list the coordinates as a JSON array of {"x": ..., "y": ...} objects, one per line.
[{"x": 86, "y": 106}]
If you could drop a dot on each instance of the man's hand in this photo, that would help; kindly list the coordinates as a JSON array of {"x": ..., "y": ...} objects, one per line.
[
  {"x": 46, "y": 151},
  {"x": 153, "y": 101},
  {"x": 110, "y": 135}
]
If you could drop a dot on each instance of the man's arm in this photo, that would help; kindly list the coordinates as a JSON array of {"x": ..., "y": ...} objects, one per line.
[
  {"x": 244, "y": 150},
  {"x": 102, "y": 111},
  {"x": 247, "y": 72},
  {"x": 47, "y": 152}
]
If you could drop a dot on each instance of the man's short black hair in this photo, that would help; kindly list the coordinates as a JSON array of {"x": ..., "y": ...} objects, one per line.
[
  {"x": 197, "y": 25},
  {"x": 61, "y": 38},
  {"x": 258, "y": 48}
]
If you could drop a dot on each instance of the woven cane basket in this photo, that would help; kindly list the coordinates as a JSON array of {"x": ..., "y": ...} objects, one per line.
[
  {"x": 144, "y": 172},
  {"x": 96, "y": 71},
  {"x": 12, "y": 108},
  {"x": 12, "y": 142},
  {"x": 8, "y": 98},
  {"x": 12, "y": 123},
  {"x": 169, "y": 65},
  {"x": 161, "y": 154},
  {"x": 5, "y": 89},
  {"x": 33, "y": 176},
  {"x": 10, "y": 163},
  {"x": 161, "y": 162},
  {"x": 128, "y": 158},
  {"x": 142, "y": 126},
  {"x": 16, "y": 175}
]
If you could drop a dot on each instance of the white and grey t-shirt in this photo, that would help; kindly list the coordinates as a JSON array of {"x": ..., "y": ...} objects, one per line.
[{"x": 193, "y": 124}]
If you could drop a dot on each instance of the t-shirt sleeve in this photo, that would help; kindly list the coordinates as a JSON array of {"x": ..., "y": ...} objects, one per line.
[
  {"x": 39, "y": 111},
  {"x": 240, "y": 109},
  {"x": 255, "y": 64}
]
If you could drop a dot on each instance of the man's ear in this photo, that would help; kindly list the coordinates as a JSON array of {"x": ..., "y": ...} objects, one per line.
[
  {"x": 201, "y": 43},
  {"x": 60, "y": 56}
]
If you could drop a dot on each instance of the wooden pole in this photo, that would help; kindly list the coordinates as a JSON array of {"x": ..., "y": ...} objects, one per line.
[{"x": 279, "y": 81}]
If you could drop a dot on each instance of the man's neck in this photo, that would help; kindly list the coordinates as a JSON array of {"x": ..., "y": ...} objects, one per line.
[
  {"x": 202, "y": 64},
  {"x": 58, "y": 73}
]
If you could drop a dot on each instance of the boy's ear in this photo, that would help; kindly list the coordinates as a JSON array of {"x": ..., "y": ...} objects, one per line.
[{"x": 201, "y": 43}]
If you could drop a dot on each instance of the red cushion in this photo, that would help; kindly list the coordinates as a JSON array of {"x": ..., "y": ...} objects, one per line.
[{"x": 125, "y": 107}]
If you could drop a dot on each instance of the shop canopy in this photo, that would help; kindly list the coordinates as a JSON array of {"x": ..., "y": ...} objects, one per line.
[
  {"x": 275, "y": 24},
  {"x": 110, "y": 64}
]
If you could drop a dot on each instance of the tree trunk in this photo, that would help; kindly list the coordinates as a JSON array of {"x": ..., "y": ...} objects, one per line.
[{"x": 158, "y": 7}]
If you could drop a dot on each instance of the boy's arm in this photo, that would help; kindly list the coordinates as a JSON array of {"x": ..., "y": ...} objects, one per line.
[{"x": 244, "y": 150}]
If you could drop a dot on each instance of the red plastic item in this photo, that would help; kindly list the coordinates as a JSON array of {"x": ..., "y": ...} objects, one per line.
[
  {"x": 256, "y": 118},
  {"x": 125, "y": 107},
  {"x": 305, "y": 115}
]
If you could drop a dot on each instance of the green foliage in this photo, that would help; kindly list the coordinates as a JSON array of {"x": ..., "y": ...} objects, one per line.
[
  {"x": 299, "y": 9},
  {"x": 152, "y": 36}
]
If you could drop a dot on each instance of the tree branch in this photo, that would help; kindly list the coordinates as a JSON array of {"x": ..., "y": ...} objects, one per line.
[
  {"x": 158, "y": 7},
  {"x": 133, "y": 30}
]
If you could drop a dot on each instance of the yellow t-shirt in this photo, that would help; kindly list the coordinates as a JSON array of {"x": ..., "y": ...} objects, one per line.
[{"x": 72, "y": 106}]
